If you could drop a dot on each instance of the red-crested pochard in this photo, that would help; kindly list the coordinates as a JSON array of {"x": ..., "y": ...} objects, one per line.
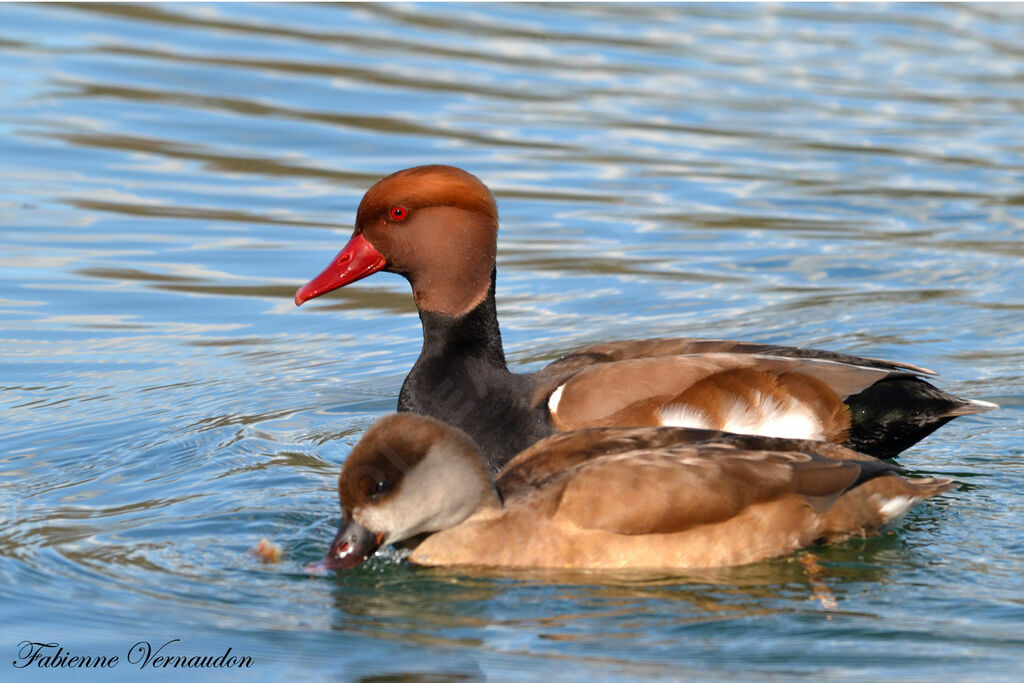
[
  {"x": 438, "y": 227},
  {"x": 608, "y": 498}
]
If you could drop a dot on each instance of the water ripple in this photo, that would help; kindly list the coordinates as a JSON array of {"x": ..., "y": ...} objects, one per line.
[{"x": 823, "y": 175}]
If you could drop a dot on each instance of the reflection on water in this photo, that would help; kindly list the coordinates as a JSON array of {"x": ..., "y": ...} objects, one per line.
[{"x": 840, "y": 177}]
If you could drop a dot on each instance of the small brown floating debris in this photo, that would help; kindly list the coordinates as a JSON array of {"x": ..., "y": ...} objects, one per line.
[{"x": 267, "y": 551}]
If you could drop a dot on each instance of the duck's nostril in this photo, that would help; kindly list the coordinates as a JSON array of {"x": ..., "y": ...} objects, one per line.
[{"x": 357, "y": 260}]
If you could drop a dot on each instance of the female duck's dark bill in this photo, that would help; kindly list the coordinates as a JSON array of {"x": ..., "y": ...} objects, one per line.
[
  {"x": 357, "y": 260},
  {"x": 353, "y": 544}
]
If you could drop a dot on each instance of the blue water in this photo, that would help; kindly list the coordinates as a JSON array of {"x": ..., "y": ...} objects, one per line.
[{"x": 845, "y": 177}]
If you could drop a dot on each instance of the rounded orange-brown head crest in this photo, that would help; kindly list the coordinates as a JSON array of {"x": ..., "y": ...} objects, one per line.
[{"x": 435, "y": 225}]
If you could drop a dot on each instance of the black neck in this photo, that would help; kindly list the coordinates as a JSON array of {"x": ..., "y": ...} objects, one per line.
[
  {"x": 461, "y": 378},
  {"x": 474, "y": 335}
]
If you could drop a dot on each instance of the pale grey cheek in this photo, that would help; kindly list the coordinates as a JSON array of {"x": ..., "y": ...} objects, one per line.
[
  {"x": 401, "y": 517},
  {"x": 380, "y": 519},
  {"x": 438, "y": 493}
]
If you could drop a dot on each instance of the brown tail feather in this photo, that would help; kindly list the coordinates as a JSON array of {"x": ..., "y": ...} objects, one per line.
[{"x": 927, "y": 487}]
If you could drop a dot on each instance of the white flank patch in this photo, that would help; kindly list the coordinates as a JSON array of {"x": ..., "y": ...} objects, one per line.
[
  {"x": 683, "y": 415},
  {"x": 766, "y": 418},
  {"x": 554, "y": 399},
  {"x": 792, "y": 421}
]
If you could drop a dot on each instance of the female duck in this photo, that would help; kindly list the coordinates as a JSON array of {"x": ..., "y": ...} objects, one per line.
[
  {"x": 438, "y": 225},
  {"x": 609, "y": 498}
]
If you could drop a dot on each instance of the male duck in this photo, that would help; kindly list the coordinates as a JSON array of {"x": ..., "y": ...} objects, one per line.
[{"x": 438, "y": 225}]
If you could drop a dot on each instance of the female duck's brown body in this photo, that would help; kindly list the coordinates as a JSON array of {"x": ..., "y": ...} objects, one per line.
[
  {"x": 608, "y": 498},
  {"x": 437, "y": 226}
]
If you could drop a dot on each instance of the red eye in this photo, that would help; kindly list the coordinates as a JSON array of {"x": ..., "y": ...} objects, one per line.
[{"x": 398, "y": 213}]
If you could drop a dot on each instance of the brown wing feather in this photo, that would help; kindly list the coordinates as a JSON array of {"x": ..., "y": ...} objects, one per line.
[
  {"x": 630, "y": 391},
  {"x": 562, "y": 452},
  {"x": 666, "y": 492},
  {"x": 631, "y": 349}
]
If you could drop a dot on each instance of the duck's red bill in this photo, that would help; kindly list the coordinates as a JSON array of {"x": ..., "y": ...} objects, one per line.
[{"x": 357, "y": 260}]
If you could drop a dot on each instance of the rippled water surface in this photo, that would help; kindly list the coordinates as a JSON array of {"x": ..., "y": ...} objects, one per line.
[{"x": 847, "y": 177}]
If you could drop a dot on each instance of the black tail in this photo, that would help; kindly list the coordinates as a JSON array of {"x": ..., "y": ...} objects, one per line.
[{"x": 892, "y": 415}]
